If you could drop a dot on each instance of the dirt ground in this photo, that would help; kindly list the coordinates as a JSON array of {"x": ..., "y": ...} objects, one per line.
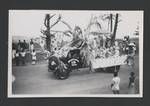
[{"x": 35, "y": 79}]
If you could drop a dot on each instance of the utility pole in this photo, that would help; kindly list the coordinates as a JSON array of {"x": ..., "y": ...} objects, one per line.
[
  {"x": 110, "y": 22},
  {"x": 115, "y": 29},
  {"x": 47, "y": 32}
]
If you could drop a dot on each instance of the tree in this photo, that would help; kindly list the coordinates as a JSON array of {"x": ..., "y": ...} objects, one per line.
[
  {"x": 48, "y": 26},
  {"x": 110, "y": 18},
  {"x": 49, "y": 33}
]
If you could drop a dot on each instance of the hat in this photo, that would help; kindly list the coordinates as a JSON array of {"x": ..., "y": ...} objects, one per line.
[{"x": 131, "y": 44}]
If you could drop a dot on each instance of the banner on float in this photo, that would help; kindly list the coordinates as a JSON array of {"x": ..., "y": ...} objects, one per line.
[{"x": 109, "y": 62}]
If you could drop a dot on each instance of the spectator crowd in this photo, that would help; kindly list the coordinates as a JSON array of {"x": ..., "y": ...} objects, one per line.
[
  {"x": 19, "y": 51},
  {"x": 130, "y": 50}
]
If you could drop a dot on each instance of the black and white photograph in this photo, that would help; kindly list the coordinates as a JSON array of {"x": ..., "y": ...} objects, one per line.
[{"x": 75, "y": 53}]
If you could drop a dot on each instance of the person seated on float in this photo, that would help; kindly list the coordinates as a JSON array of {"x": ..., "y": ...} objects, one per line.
[{"x": 116, "y": 47}]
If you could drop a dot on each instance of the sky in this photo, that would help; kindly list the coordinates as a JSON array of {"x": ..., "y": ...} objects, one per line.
[{"x": 30, "y": 22}]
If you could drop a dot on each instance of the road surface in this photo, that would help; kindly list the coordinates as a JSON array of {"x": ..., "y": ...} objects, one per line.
[{"x": 35, "y": 79}]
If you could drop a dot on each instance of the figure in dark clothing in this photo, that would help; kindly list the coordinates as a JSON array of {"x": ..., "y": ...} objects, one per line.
[
  {"x": 14, "y": 46},
  {"x": 17, "y": 58},
  {"x": 31, "y": 42},
  {"x": 131, "y": 79},
  {"x": 23, "y": 54},
  {"x": 130, "y": 58},
  {"x": 24, "y": 45},
  {"x": 131, "y": 86},
  {"x": 19, "y": 46}
]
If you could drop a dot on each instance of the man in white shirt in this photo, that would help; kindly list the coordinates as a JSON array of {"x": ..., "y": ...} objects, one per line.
[
  {"x": 115, "y": 84},
  {"x": 31, "y": 45}
]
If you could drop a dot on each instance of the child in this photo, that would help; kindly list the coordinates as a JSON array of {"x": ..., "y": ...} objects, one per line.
[
  {"x": 115, "y": 84},
  {"x": 131, "y": 79},
  {"x": 131, "y": 83},
  {"x": 33, "y": 57}
]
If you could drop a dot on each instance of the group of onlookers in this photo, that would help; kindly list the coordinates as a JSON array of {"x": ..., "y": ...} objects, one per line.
[
  {"x": 20, "y": 50},
  {"x": 130, "y": 51}
]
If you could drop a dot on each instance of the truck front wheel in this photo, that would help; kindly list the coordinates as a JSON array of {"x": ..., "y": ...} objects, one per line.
[{"x": 62, "y": 72}]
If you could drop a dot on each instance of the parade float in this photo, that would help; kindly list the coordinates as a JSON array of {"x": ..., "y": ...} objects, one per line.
[{"x": 94, "y": 47}]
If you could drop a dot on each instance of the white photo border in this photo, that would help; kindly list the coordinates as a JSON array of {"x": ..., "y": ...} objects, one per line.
[{"x": 140, "y": 95}]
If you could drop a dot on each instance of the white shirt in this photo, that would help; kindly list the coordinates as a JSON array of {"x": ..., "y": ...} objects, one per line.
[
  {"x": 115, "y": 82},
  {"x": 33, "y": 55},
  {"x": 17, "y": 55},
  {"x": 13, "y": 78},
  {"x": 23, "y": 54},
  {"x": 13, "y": 53},
  {"x": 31, "y": 46}
]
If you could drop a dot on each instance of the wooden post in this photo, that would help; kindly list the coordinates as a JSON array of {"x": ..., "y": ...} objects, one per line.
[
  {"x": 115, "y": 29},
  {"x": 48, "y": 35},
  {"x": 110, "y": 22}
]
